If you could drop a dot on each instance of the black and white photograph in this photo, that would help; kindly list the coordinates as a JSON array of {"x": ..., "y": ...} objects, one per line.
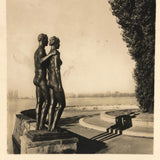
[{"x": 81, "y": 77}]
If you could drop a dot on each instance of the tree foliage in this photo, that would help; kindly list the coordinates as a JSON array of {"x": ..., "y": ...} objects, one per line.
[{"x": 137, "y": 21}]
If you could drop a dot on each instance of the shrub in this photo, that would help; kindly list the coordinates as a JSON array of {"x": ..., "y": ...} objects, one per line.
[{"x": 137, "y": 21}]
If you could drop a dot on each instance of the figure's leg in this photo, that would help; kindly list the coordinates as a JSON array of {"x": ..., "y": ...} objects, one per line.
[
  {"x": 45, "y": 106},
  {"x": 58, "y": 109},
  {"x": 53, "y": 104},
  {"x": 39, "y": 103}
]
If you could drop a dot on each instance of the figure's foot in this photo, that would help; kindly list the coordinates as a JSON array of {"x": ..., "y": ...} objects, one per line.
[
  {"x": 37, "y": 127},
  {"x": 49, "y": 128},
  {"x": 55, "y": 130},
  {"x": 42, "y": 128}
]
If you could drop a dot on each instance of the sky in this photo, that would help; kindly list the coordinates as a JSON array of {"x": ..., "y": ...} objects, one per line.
[{"x": 95, "y": 58}]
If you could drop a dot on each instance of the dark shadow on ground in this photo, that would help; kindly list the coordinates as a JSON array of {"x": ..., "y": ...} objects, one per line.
[
  {"x": 122, "y": 122},
  {"x": 87, "y": 146}
]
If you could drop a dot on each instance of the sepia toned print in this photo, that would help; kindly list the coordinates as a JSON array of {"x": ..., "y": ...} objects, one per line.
[{"x": 80, "y": 77}]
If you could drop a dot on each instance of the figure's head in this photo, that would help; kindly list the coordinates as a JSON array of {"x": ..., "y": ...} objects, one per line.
[
  {"x": 43, "y": 38},
  {"x": 54, "y": 41}
]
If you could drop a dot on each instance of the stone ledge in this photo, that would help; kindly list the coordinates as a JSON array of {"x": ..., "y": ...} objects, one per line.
[{"x": 135, "y": 122}]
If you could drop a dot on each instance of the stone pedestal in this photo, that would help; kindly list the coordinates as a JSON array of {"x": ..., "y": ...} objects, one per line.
[{"x": 45, "y": 142}]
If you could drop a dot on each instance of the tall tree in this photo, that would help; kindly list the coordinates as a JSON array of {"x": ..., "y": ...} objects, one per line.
[{"x": 137, "y": 21}]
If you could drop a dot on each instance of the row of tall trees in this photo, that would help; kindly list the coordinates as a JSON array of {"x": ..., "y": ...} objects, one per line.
[{"x": 137, "y": 21}]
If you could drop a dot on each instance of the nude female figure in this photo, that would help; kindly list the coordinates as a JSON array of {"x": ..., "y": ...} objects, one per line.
[{"x": 56, "y": 92}]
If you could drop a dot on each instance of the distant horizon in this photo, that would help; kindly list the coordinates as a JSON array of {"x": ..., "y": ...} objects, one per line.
[{"x": 14, "y": 94}]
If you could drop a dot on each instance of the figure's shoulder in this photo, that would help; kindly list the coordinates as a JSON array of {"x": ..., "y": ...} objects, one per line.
[{"x": 41, "y": 51}]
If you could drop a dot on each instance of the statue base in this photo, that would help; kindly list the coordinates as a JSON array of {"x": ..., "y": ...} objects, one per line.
[{"x": 45, "y": 142}]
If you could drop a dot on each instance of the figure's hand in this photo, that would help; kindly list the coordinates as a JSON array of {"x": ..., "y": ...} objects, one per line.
[{"x": 53, "y": 53}]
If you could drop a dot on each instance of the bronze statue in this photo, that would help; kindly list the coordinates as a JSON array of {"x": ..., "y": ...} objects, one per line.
[
  {"x": 42, "y": 95},
  {"x": 56, "y": 92}
]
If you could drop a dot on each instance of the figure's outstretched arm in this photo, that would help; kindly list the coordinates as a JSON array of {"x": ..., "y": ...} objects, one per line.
[{"x": 46, "y": 57}]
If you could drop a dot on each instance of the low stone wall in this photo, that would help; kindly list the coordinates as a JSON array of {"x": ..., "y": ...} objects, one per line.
[{"x": 22, "y": 125}]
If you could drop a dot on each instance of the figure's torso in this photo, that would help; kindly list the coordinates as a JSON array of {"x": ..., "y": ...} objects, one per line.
[
  {"x": 54, "y": 63},
  {"x": 40, "y": 68},
  {"x": 40, "y": 52}
]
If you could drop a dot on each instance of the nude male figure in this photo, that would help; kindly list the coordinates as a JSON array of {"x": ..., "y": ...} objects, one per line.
[{"x": 42, "y": 94}]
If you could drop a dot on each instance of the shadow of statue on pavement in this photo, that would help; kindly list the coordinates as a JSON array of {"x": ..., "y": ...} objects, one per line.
[{"x": 122, "y": 122}]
